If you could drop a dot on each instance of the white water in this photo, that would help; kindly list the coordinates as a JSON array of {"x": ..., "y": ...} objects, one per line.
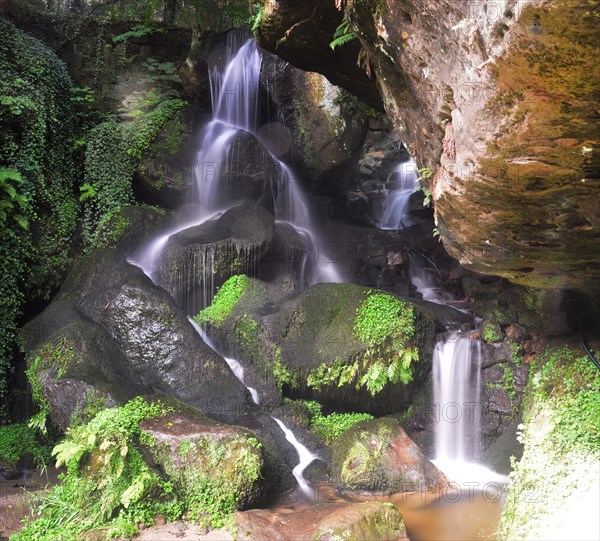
[
  {"x": 405, "y": 181},
  {"x": 457, "y": 402},
  {"x": 304, "y": 455},
  {"x": 235, "y": 102},
  {"x": 234, "y": 95}
]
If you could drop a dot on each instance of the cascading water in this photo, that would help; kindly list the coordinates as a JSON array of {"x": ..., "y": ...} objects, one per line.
[
  {"x": 235, "y": 100},
  {"x": 456, "y": 391},
  {"x": 235, "y": 111},
  {"x": 457, "y": 405},
  {"x": 304, "y": 455},
  {"x": 404, "y": 181}
]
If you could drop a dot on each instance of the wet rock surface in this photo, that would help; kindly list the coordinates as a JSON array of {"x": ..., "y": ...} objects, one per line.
[
  {"x": 323, "y": 522},
  {"x": 206, "y": 255},
  {"x": 491, "y": 107},
  {"x": 377, "y": 455}
]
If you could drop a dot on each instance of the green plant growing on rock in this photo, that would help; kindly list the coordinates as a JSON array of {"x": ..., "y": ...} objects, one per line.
[
  {"x": 386, "y": 327},
  {"x": 107, "y": 483},
  {"x": 329, "y": 427},
  {"x": 225, "y": 299},
  {"x": 561, "y": 436},
  {"x": 18, "y": 440}
]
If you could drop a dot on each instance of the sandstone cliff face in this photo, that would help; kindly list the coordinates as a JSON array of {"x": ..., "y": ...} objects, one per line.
[{"x": 499, "y": 100}]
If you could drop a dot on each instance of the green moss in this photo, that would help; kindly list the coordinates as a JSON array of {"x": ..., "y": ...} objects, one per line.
[
  {"x": 19, "y": 439},
  {"x": 385, "y": 325},
  {"x": 225, "y": 299},
  {"x": 216, "y": 477},
  {"x": 491, "y": 332},
  {"x": 561, "y": 434},
  {"x": 329, "y": 427},
  {"x": 283, "y": 375},
  {"x": 360, "y": 466},
  {"x": 57, "y": 355}
]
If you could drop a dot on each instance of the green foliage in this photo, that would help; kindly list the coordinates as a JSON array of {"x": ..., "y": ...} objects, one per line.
[
  {"x": 573, "y": 384},
  {"x": 215, "y": 476},
  {"x": 561, "y": 437},
  {"x": 12, "y": 203},
  {"x": 147, "y": 126},
  {"x": 57, "y": 355},
  {"x": 38, "y": 206},
  {"x": 343, "y": 34},
  {"x": 107, "y": 484},
  {"x": 138, "y": 31},
  {"x": 381, "y": 316},
  {"x": 225, "y": 299},
  {"x": 386, "y": 326},
  {"x": 19, "y": 439},
  {"x": 108, "y": 173},
  {"x": 283, "y": 375},
  {"x": 491, "y": 332},
  {"x": 329, "y": 427},
  {"x": 256, "y": 13}
]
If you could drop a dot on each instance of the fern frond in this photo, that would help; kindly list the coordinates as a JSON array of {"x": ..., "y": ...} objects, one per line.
[{"x": 343, "y": 34}]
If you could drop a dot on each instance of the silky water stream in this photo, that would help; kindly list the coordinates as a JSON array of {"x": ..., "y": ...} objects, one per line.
[{"x": 453, "y": 514}]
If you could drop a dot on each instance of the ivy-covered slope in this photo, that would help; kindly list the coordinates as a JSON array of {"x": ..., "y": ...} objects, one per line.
[
  {"x": 38, "y": 205},
  {"x": 554, "y": 493}
]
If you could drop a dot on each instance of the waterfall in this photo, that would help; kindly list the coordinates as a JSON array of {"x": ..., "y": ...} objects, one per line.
[
  {"x": 404, "y": 181},
  {"x": 235, "y": 101},
  {"x": 305, "y": 457},
  {"x": 457, "y": 391}
]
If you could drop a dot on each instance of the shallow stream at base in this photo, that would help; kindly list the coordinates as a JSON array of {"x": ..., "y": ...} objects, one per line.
[{"x": 471, "y": 513}]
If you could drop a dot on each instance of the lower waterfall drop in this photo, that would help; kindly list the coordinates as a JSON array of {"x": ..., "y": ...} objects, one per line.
[{"x": 457, "y": 407}]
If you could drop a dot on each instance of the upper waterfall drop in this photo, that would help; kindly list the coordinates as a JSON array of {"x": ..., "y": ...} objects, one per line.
[{"x": 235, "y": 94}]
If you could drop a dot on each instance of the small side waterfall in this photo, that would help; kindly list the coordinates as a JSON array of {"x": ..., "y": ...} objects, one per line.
[{"x": 403, "y": 182}]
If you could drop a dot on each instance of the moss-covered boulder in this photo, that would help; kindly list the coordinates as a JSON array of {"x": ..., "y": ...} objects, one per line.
[
  {"x": 377, "y": 455},
  {"x": 110, "y": 327},
  {"x": 209, "y": 464},
  {"x": 350, "y": 346},
  {"x": 374, "y": 521},
  {"x": 215, "y": 250}
]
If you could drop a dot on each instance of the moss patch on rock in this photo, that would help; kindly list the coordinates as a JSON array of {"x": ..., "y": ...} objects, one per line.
[
  {"x": 225, "y": 299},
  {"x": 377, "y": 455}
]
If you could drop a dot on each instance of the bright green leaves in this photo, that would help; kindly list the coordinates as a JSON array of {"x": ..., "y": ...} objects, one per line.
[
  {"x": 386, "y": 326},
  {"x": 13, "y": 203},
  {"x": 343, "y": 34},
  {"x": 224, "y": 301},
  {"x": 382, "y": 316}
]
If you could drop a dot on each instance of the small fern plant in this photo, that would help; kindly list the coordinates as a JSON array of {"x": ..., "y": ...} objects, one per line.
[{"x": 343, "y": 34}]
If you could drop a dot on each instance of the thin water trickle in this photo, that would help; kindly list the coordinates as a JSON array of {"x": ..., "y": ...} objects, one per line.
[{"x": 304, "y": 455}]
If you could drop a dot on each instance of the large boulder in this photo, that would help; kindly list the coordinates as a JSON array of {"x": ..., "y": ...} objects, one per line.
[
  {"x": 374, "y": 521},
  {"x": 194, "y": 451},
  {"x": 310, "y": 344},
  {"x": 113, "y": 326},
  {"x": 377, "y": 455},
  {"x": 494, "y": 107},
  {"x": 210, "y": 253}
]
